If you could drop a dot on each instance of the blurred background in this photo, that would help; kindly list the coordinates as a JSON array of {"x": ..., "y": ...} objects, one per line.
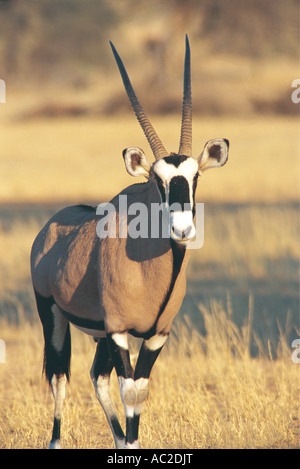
[
  {"x": 243, "y": 53},
  {"x": 67, "y": 119}
]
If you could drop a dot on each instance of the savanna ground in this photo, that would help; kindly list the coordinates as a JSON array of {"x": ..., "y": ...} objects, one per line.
[{"x": 226, "y": 378}]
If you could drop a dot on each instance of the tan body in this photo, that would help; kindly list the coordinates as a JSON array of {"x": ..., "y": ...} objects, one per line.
[{"x": 111, "y": 279}]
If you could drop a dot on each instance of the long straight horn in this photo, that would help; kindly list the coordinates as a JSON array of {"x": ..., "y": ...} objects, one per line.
[
  {"x": 155, "y": 143},
  {"x": 185, "y": 146}
]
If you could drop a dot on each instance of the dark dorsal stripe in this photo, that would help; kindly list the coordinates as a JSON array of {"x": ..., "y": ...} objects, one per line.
[{"x": 179, "y": 191}]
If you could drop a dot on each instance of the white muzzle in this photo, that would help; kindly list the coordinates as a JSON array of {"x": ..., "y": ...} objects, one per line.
[{"x": 182, "y": 228}]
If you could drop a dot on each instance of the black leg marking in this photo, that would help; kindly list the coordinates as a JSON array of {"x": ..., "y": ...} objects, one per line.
[
  {"x": 103, "y": 364},
  {"x": 148, "y": 354},
  {"x": 56, "y": 430},
  {"x": 55, "y": 362},
  {"x": 121, "y": 358},
  {"x": 57, "y": 354},
  {"x": 132, "y": 429},
  {"x": 100, "y": 374},
  {"x": 145, "y": 362}
]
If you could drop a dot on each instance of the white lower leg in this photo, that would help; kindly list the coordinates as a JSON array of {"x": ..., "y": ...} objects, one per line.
[
  {"x": 133, "y": 394},
  {"x": 58, "y": 385},
  {"x": 103, "y": 395}
]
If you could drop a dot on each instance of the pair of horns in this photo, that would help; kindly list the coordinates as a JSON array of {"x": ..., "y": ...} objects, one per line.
[{"x": 159, "y": 151}]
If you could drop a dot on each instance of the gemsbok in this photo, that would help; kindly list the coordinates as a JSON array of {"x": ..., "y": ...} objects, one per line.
[{"x": 112, "y": 286}]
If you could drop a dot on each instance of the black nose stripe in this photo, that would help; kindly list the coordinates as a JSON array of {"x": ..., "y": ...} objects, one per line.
[{"x": 179, "y": 191}]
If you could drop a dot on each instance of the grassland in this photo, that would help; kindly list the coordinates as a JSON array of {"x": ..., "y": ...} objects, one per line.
[
  {"x": 206, "y": 392},
  {"x": 226, "y": 378},
  {"x": 80, "y": 159}
]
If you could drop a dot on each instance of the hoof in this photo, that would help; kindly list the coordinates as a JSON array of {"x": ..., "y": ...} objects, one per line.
[
  {"x": 134, "y": 445},
  {"x": 55, "y": 444}
]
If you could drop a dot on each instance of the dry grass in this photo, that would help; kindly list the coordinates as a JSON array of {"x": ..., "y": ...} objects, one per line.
[
  {"x": 81, "y": 159},
  {"x": 255, "y": 242},
  {"x": 206, "y": 392}
]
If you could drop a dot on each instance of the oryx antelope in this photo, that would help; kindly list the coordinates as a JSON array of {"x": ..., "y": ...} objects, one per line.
[{"x": 111, "y": 286}]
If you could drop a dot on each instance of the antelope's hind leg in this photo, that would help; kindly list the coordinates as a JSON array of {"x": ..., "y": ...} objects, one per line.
[
  {"x": 57, "y": 354},
  {"x": 100, "y": 375}
]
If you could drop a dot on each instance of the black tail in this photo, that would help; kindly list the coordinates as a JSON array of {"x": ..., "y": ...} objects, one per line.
[{"x": 56, "y": 362}]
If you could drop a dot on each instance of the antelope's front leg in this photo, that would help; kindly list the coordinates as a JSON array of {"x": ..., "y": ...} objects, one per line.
[
  {"x": 134, "y": 387},
  {"x": 149, "y": 352},
  {"x": 118, "y": 347}
]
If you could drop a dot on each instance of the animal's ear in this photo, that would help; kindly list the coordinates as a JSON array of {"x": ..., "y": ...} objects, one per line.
[
  {"x": 136, "y": 162},
  {"x": 214, "y": 154}
]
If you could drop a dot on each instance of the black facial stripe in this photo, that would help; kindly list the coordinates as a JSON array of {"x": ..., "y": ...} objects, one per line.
[
  {"x": 161, "y": 187},
  {"x": 179, "y": 191},
  {"x": 195, "y": 180}
]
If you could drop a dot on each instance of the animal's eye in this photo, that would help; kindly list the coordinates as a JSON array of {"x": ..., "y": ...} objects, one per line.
[
  {"x": 158, "y": 180},
  {"x": 161, "y": 187}
]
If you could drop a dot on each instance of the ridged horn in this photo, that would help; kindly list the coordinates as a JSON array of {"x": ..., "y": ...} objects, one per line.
[
  {"x": 155, "y": 143},
  {"x": 185, "y": 146}
]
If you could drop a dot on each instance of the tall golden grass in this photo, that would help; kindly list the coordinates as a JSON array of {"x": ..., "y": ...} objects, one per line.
[{"x": 206, "y": 392}]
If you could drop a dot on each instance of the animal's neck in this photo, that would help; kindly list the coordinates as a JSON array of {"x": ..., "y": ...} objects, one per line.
[{"x": 179, "y": 252}]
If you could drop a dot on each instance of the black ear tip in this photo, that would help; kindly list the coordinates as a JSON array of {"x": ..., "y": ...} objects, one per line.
[
  {"x": 124, "y": 152},
  {"x": 227, "y": 142}
]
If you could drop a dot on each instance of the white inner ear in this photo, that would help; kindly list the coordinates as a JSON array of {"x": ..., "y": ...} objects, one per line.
[
  {"x": 136, "y": 162},
  {"x": 214, "y": 154}
]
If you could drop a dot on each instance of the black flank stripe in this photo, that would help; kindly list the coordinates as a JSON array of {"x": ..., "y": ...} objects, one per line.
[{"x": 81, "y": 322}]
